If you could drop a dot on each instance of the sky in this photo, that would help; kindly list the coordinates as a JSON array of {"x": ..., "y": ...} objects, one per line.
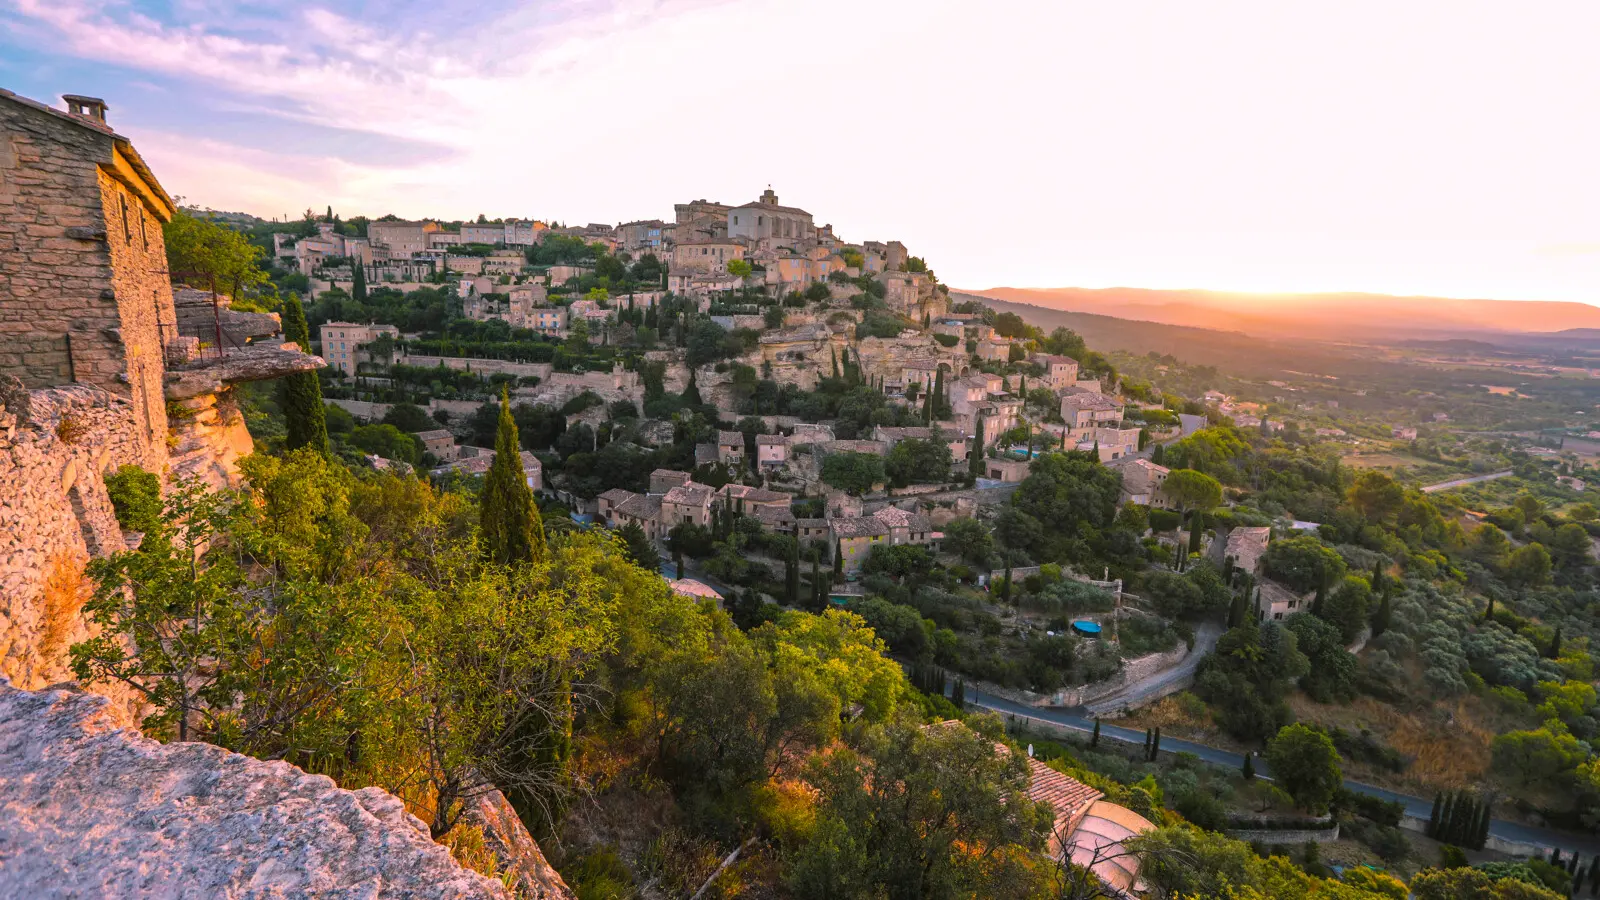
[{"x": 1445, "y": 148}]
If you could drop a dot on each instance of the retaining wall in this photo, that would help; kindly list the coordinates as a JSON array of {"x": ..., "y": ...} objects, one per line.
[{"x": 56, "y": 446}]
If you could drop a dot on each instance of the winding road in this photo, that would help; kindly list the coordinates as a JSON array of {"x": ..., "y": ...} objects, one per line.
[
  {"x": 1164, "y": 682},
  {"x": 1462, "y": 482},
  {"x": 1417, "y": 807}
]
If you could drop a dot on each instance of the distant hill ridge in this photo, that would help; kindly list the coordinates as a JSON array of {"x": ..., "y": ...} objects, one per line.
[{"x": 1331, "y": 315}]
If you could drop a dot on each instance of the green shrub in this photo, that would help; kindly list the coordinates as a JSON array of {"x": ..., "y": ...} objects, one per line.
[{"x": 136, "y": 497}]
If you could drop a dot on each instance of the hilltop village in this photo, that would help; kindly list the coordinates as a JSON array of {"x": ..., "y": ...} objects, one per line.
[
  {"x": 727, "y": 557},
  {"x": 755, "y": 320}
]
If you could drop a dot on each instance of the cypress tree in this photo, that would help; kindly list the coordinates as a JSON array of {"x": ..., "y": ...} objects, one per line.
[
  {"x": 1236, "y": 610},
  {"x": 838, "y": 562},
  {"x": 1094, "y": 739},
  {"x": 1381, "y": 615},
  {"x": 958, "y": 694},
  {"x": 1555, "y": 644},
  {"x": 792, "y": 575},
  {"x": 1147, "y": 735},
  {"x": 300, "y": 394},
  {"x": 1446, "y": 818},
  {"x": 834, "y": 355},
  {"x": 1197, "y": 530},
  {"x": 691, "y": 394},
  {"x": 1488, "y": 612},
  {"x": 975, "y": 460},
  {"x": 938, "y": 395},
  {"x": 1248, "y": 770},
  {"x": 358, "y": 281},
  {"x": 1155, "y": 745},
  {"x": 819, "y": 599},
  {"x": 1594, "y": 876},
  {"x": 1158, "y": 454},
  {"x": 508, "y": 518},
  {"x": 1433, "y": 817}
]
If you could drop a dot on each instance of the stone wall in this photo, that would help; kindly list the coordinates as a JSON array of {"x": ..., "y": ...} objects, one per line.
[
  {"x": 1286, "y": 836},
  {"x": 56, "y": 445},
  {"x": 479, "y": 366},
  {"x": 64, "y": 223}
]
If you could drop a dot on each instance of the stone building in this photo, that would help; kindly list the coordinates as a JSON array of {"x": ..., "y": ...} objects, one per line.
[
  {"x": 93, "y": 356},
  {"x": 1089, "y": 410},
  {"x": 472, "y": 233},
  {"x": 707, "y": 256},
  {"x": 1060, "y": 372},
  {"x": 397, "y": 239},
  {"x": 343, "y": 343},
  {"x": 766, "y": 220},
  {"x": 84, "y": 292}
]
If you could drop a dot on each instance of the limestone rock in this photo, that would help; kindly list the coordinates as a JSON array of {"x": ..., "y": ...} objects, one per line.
[
  {"x": 258, "y": 362},
  {"x": 515, "y": 848},
  {"x": 89, "y": 808}
]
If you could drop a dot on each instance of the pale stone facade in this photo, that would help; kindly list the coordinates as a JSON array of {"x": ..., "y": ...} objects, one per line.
[{"x": 341, "y": 343}]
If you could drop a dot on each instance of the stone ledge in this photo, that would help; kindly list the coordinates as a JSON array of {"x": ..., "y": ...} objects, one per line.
[{"x": 208, "y": 375}]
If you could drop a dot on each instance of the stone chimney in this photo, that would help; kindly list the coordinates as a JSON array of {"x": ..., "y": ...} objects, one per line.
[{"x": 88, "y": 107}]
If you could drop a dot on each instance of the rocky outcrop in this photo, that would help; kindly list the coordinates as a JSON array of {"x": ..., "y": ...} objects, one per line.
[
  {"x": 515, "y": 849},
  {"x": 258, "y": 362},
  {"x": 90, "y": 808}
]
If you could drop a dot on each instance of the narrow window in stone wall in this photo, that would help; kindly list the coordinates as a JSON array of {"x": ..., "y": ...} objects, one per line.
[
  {"x": 127, "y": 232},
  {"x": 144, "y": 236}
]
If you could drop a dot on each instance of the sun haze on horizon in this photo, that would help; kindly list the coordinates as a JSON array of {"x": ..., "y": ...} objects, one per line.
[{"x": 1424, "y": 148}]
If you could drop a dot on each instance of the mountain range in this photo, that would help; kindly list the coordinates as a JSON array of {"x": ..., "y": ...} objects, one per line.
[{"x": 1332, "y": 316}]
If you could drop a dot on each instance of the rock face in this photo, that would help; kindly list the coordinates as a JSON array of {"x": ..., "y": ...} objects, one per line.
[
  {"x": 89, "y": 808},
  {"x": 515, "y": 849}
]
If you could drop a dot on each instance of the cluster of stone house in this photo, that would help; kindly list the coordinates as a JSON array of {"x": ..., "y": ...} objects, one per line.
[{"x": 674, "y": 499}]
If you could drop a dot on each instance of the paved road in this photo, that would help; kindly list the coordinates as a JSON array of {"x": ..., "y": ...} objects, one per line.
[
  {"x": 1205, "y": 640},
  {"x": 1414, "y": 806},
  {"x": 1459, "y": 482}
]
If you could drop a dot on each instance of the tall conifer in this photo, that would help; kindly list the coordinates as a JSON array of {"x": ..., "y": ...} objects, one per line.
[
  {"x": 300, "y": 394},
  {"x": 507, "y": 517}
]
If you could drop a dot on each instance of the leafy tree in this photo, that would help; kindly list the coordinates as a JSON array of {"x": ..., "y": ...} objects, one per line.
[
  {"x": 1528, "y": 566},
  {"x": 386, "y": 441},
  {"x": 1332, "y": 671},
  {"x": 301, "y": 392},
  {"x": 1247, "y": 678},
  {"x": 1536, "y": 757},
  {"x": 739, "y": 269},
  {"x": 1475, "y": 884},
  {"x": 915, "y": 461},
  {"x": 1306, "y": 765},
  {"x": 1304, "y": 563},
  {"x": 1066, "y": 499},
  {"x": 1176, "y": 596},
  {"x": 915, "y": 813},
  {"x": 205, "y": 254},
  {"x": 969, "y": 539},
  {"x": 853, "y": 473},
  {"x": 1347, "y": 607},
  {"x": 408, "y": 417},
  {"x": 509, "y": 520},
  {"x": 175, "y": 597},
  {"x": 497, "y": 650},
  {"x": 1375, "y": 496}
]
